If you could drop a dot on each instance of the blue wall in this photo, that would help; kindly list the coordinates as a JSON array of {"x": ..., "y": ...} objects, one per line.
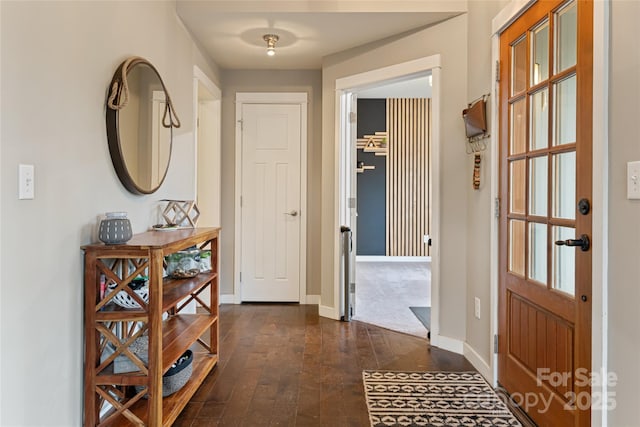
[{"x": 370, "y": 233}]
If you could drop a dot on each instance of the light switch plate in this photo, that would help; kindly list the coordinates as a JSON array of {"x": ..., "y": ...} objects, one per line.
[
  {"x": 633, "y": 180},
  {"x": 26, "y": 182}
]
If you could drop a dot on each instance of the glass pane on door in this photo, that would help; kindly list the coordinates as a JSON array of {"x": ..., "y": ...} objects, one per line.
[
  {"x": 519, "y": 66},
  {"x": 564, "y": 131},
  {"x": 540, "y": 53},
  {"x": 540, "y": 120},
  {"x": 566, "y": 36},
  {"x": 517, "y": 186},
  {"x": 538, "y": 252},
  {"x": 518, "y": 127},
  {"x": 564, "y": 185},
  {"x": 538, "y": 186},
  {"x": 564, "y": 261},
  {"x": 516, "y": 246}
]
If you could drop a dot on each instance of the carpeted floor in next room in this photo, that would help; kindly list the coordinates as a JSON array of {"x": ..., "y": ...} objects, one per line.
[{"x": 385, "y": 291}]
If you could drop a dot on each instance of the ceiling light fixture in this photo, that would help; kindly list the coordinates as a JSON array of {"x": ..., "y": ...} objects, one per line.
[{"x": 271, "y": 40}]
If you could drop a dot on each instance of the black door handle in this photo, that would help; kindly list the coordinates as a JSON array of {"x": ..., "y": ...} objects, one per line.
[{"x": 583, "y": 242}]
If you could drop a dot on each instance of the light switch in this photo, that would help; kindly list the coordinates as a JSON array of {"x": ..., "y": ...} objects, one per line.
[
  {"x": 26, "y": 182},
  {"x": 633, "y": 180}
]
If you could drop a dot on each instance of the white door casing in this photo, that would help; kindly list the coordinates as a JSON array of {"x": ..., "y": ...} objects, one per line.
[
  {"x": 207, "y": 156},
  {"x": 271, "y": 220},
  {"x": 347, "y": 208},
  {"x": 346, "y": 85}
]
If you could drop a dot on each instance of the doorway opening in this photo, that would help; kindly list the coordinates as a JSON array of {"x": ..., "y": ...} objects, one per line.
[
  {"x": 393, "y": 268},
  {"x": 207, "y": 99},
  {"x": 208, "y": 192}
]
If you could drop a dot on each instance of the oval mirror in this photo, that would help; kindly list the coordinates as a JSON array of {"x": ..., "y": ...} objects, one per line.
[{"x": 140, "y": 120}]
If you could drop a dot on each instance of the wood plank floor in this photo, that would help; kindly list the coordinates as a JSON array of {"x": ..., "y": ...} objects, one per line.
[{"x": 283, "y": 365}]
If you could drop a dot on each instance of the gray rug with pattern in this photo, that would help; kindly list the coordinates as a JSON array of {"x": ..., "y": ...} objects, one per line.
[{"x": 433, "y": 399}]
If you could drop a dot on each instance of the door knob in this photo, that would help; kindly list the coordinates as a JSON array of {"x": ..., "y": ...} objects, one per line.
[
  {"x": 583, "y": 242},
  {"x": 292, "y": 213}
]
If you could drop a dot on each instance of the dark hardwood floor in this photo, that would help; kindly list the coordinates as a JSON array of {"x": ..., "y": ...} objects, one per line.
[{"x": 283, "y": 365}]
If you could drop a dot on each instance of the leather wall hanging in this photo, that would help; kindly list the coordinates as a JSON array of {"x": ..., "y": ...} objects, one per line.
[{"x": 475, "y": 126}]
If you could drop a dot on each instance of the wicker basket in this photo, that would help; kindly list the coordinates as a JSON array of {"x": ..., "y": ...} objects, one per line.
[
  {"x": 123, "y": 299},
  {"x": 177, "y": 376}
]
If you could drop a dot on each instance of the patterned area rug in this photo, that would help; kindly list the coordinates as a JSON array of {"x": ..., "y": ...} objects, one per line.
[{"x": 433, "y": 399}]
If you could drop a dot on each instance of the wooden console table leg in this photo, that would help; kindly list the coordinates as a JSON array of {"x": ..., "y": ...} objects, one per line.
[
  {"x": 92, "y": 409},
  {"x": 155, "y": 338}
]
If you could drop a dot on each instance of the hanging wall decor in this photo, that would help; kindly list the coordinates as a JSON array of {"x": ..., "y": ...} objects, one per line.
[
  {"x": 476, "y": 171},
  {"x": 475, "y": 124}
]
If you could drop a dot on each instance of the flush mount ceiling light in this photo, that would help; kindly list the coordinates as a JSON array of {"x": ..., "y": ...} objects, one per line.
[{"x": 271, "y": 40}]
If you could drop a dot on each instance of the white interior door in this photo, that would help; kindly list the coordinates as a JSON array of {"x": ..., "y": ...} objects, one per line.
[
  {"x": 270, "y": 202},
  {"x": 159, "y": 139},
  {"x": 352, "y": 188}
]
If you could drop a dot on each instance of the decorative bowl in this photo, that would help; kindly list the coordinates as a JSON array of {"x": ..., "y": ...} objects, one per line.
[{"x": 115, "y": 228}]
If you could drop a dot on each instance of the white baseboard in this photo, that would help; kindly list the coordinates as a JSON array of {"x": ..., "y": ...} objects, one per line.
[
  {"x": 478, "y": 362},
  {"x": 313, "y": 300},
  {"x": 231, "y": 299},
  {"x": 328, "y": 312},
  {"x": 446, "y": 343},
  {"x": 382, "y": 258},
  {"x": 227, "y": 299}
]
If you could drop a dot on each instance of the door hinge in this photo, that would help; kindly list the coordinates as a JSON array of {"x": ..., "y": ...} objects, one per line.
[
  {"x": 240, "y": 201},
  {"x": 496, "y": 207},
  {"x": 241, "y": 124},
  {"x": 495, "y": 344},
  {"x": 198, "y": 122},
  {"x": 241, "y": 276},
  {"x": 497, "y": 71},
  {"x": 353, "y": 117}
]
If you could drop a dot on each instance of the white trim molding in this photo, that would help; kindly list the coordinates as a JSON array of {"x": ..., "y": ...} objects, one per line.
[
  {"x": 477, "y": 361},
  {"x": 228, "y": 299},
  {"x": 207, "y": 82},
  {"x": 495, "y": 221},
  {"x": 509, "y": 13},
  {"x": 328, "y": 312},
  {"x": 446, "y": 343},
  {"x": 600, "y": 196},
  {"x": 388, "y": 74},
  {"x": 312, "y": 299},
  {"x": 383, "y": 258}
]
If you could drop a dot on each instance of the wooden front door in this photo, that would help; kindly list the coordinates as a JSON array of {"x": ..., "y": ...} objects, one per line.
[{"x": 545, "y": 216}]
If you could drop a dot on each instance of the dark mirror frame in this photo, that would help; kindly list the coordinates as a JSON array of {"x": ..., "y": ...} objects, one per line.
[{"x": 113, "y": 133}]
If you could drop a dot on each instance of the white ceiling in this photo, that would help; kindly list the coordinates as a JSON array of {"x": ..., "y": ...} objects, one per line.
[{"x": 231, "y": 31}]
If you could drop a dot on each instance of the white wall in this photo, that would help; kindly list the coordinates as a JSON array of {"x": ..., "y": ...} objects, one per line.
[
  {"x": 57, "y": 59},
  {"x": 449, "y": 40},
  {"x": 624, "y": 215},
  {"x": 479, "y": 204}
]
